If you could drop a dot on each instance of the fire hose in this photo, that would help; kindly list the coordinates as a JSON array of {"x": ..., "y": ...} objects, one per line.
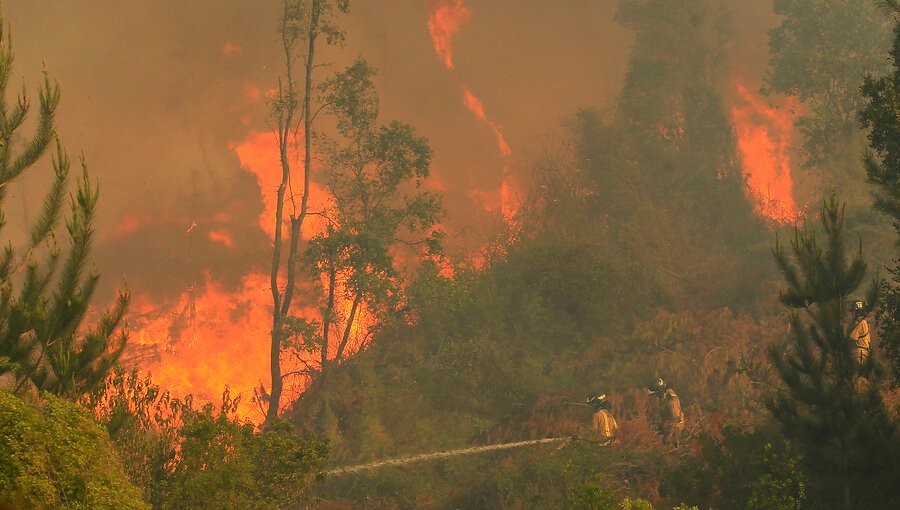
[{"x": 442, "y": 455}]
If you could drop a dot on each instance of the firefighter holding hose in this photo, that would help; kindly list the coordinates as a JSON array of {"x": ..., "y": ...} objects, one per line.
[
  {"x": 860, "y": 334},
  {"x": 671, "y": 422},
  {"x": 602, "y": 422}
]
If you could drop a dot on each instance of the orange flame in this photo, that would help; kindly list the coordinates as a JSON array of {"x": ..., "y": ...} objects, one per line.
[
  {"x": 222, "y": 237},
  {"x": 258, "y": 154},
  {"x": 764, "y": 140},
  {"x": 474, "y": 105},
  {"x": 445, "y": 18},
  {"x": 507, "y": 205},
  {"x": 210, "y": 338},
  {"x": 231, "y": 49}
]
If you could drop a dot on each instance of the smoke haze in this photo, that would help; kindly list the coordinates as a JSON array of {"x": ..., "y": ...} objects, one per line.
[{"x": 159, "y": 96}]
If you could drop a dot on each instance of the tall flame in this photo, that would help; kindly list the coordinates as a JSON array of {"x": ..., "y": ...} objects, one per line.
[
  {"x": 207, "y": 338},
  {"x": 445, "y": 18},
  {"x": 474, "y": 105},
  {"x": 259, "y": 155},
  {"x": 764, "y": 140}
]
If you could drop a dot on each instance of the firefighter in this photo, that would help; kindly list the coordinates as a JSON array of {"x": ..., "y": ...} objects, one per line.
[
  {"x": 860, "y": 334},
  {"x": 671, "y": 422},
  {"x": 602, "y": 422}
]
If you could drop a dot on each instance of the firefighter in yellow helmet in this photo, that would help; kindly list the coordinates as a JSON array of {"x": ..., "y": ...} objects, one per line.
[
  {"x": 602, "y": 422},
  {"x": 860, "y": 334},
  {"x": 671, "y": 421}
]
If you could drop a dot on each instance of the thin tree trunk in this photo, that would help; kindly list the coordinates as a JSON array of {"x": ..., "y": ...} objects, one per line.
[
  {"x": 282, "y": 302},
  {"x": 326, "y": 321},
  {"x": 346, "y": 336},
  {"x": 845, "y": 478}
]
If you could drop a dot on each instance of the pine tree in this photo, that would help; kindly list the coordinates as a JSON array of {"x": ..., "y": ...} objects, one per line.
[
  {"x": 882, "y": 163},
  {"x": 45, "y": 291},
  {"x": 829, "y": 404}
]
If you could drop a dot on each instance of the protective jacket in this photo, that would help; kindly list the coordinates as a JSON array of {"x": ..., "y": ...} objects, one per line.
[
  {"x": 604, "y": 424},
  {"x": 861, "y": 337},
  {"x": 672, "y": 417}
]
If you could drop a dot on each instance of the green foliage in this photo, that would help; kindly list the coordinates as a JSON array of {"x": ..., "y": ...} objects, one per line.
[
  {"x": 56, "y": 456},
  {"x": 635, "y": 504},
  {"x": 830, "y": 405},
  {"x": 679, "y": 128},
  {"x": 593, "y": 290},
  {"x": 224, "y": 464},
  {"x": 186, "y": 458},
  {"x": 819, "y": 54},
  {"x": 595, "y": 496},
  {"x": 669, "y": 151},
  {"x": 302, "y": 21},
  {"x": 44, "y": 291},
  {"x": 375, "y": 175},
  {"x": 737, "y": 467},
  {"x": 882, "y": 163},
  {"x": 781, "y": 487}
]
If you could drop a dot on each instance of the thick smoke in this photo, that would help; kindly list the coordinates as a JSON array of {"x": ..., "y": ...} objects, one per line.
[
  {"x": 156, "y": 93},
  {"x": 159, "y": 95}
]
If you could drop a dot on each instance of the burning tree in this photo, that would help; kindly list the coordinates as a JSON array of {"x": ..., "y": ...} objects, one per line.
[
  {"x": 373, "y": 174},
  {"x": 44, "y": 291},
  {"x": 302, "y": 22},
  {"x": 370, "y": 171}
]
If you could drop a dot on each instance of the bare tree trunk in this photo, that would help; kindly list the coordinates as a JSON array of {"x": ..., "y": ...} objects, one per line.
[
  {"x": 845, "y": 479},
  {"x": 326, "y": 321},
  {"x": 346, "y": 336},
  {"x": 285, "y": 133}
]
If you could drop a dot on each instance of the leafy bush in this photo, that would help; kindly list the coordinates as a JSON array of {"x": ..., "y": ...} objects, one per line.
[
  {"x": 55, "y": 456},
  {"x": 185, "y": 457}
]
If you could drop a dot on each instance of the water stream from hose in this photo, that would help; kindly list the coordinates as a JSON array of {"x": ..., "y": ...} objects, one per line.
[{"x": 441, "y": 455}]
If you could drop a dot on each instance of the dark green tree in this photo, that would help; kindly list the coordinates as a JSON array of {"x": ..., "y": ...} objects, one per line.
[
  {"x": 829, "y": 405},
  {"x": 670, "y": 151},
  {"x": 45, "y": 290},
  {"x": 819, "y": 54},
  {"x": 671, "y": 101},
  {"x": 882, "y": 163}
]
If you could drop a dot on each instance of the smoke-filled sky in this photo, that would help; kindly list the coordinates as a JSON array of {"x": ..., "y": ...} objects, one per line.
[
  {"x": 159, "y": 94},
  {"x": 156, "y": 93}
]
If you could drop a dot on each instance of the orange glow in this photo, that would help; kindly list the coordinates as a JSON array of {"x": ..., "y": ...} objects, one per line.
[
  {"x": 252, "y": 91},
  {"x": 208, "y": 338},
  {"x": 131, "y": 223},
  {"x": 445, "y": 18},
  {"x": 507, "y": 204},
  {"x": 488, "y": 200},
  {"x": 258, "y": 154},
  {"x": 231, "y": 49},
  {"x": 474, "y": 105},
  {"x": 764, "y": 139},
  {"x": 219, "y": 236}
]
